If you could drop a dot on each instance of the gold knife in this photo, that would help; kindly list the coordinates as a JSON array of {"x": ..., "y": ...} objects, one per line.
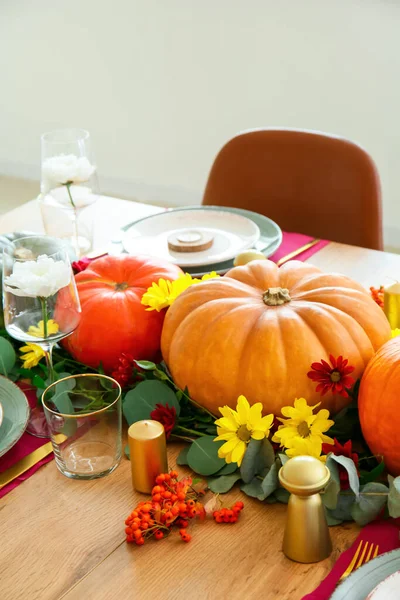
[
  {"x": 24, "y": 464},
  {"x": 295, "y": 253}
]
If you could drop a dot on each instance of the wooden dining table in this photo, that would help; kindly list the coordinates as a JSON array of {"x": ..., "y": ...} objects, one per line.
[{"x": 61, "y": 538}]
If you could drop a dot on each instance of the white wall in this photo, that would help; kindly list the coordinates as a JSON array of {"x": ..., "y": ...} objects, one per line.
[{"x": 162, "y": 84}]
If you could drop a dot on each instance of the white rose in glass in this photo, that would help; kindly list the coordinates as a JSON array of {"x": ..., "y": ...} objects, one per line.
[
  {"x": 39, "y": 278},
  {"x": 66, "y": 168}
]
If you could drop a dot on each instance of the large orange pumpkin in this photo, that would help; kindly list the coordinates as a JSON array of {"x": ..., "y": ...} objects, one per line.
[
  {"x": 113, "y": 320},
  {"x": 257, "y": 330},
  {"x": 378, "y": 404}
]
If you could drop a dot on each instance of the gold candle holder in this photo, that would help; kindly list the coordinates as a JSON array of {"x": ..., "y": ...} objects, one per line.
[
  {"x": 148, "y": 450},
  {"x": 306, "y": 537},
  {"x": 391, "y": 300}
]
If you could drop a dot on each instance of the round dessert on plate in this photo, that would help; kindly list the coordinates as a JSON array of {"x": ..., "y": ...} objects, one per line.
[{"x": 388, "y": 589}]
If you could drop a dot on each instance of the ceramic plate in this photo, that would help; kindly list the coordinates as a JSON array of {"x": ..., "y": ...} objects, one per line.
[
  {"x": 15, "y": 414},
  {"x": 360, "y": 583},
  {"x": 229, "y": 233},
  {"x": 269, "y": 241}
]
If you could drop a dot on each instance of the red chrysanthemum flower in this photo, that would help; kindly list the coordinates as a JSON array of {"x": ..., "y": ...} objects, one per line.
[
  {"x": 338, "y": 450},
  {"x": 165, "y": 415},
  {"x": 127, "y": 372},
  {"x": 377, "y": 295},
  {"x": 335, "y": 377}
]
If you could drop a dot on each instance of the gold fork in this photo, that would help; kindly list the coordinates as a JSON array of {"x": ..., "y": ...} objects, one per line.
[{"x": 361, "y": 556}]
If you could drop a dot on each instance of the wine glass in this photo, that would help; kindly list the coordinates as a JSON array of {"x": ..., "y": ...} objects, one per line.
[
  {"x": 40, "y": 300},
  {"x": 69, "y": 187}
]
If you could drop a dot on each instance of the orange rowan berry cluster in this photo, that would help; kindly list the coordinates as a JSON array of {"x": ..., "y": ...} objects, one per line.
[
  {"x": 377, "y": 295},
  {"x": 173, "y": 503},
  {"x": 228, "y": 515}
]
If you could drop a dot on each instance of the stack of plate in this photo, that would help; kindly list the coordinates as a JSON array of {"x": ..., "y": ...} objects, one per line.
[
  {"x": 14, "y": 414},
  {"x": 202, "y": 239}
]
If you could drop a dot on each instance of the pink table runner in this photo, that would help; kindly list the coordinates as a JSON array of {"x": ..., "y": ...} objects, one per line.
[
  {"x": 383, "y": 533},
  {"x": 28, "y": 443}
]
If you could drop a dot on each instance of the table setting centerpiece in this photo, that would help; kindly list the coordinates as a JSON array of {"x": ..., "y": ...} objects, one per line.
[{"x": 253, "y": 367}]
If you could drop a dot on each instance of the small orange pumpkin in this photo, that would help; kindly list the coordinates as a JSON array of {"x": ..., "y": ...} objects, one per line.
[
  {"x": 378, "y": 404},
  {"x": 257, "y": 330}
]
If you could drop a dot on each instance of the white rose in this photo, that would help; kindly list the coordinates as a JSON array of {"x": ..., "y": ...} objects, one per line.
[
  {"x": 38, "y": 278},
  {"x": 66, "y": 168}
]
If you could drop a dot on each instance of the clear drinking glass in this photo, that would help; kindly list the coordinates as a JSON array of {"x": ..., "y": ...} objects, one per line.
[
  {"x": 83, "y": 413},
  {"x": 40, "y": 301},
  {"x": 69, "y": 187}
]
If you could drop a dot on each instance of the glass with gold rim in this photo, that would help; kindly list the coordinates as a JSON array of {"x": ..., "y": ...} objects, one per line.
[{"x": 83, "y": 414}]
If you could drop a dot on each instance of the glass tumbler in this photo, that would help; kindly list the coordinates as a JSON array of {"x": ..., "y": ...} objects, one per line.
[{"x": 83, "y": 413}]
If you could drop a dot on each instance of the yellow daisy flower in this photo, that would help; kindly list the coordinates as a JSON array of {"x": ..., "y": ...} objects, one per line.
[
  {"x": 237, "y": 427},
  {"x": 303, "y": 431},
  {"x": 52, "y": 327},
  {"x": 207, "y": 276},
  {"x": 31, "y": 355},
  {"x": 157, "y": 296},
  {"x": 162, "y": 294},
  {"x": 395, "y": 332}
]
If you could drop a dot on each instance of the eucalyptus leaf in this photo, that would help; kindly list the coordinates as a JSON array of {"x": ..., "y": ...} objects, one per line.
[
  {"x": 203, "y": 456},
  {"x": 350, "y": 467},
  {"x": 265, "y": 458},
  {"x": 331, "y": 520},
  {"x": 254, "y": 489},
  {"x": 13, "y": 375},
  {"x": 283, "y": 458},
  {"x": 222, "y": 484},
  {"x": 182, "y": 456},
  {"x": 142, "y": 400},
  {"x": 59, "y": 366},
  {"x": 258, "y": 458},
  {"x": 282, "y": 495},
  {"x": 344, "y": 506},
  {"x": 271, "y": 499},
  {"x": 228, "y": 468},
  {"x": 248, "y": 468},
  {"x": 270, "y": 482},
  {"x": 7, "y": 357},
  {"x": 394, "y": 496},
  {"x": 369, "y": 506},
  {"x": 331, "y": 492},
  {"x": 60, "y": 397}
]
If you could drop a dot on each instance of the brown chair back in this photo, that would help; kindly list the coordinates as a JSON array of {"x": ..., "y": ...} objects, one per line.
[{"x": 308, "y": 182}]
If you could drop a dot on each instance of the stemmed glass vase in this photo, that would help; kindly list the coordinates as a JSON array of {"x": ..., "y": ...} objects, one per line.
[
  {"x": 69, "y": 187},
  {"x": 40, "y": 299}
]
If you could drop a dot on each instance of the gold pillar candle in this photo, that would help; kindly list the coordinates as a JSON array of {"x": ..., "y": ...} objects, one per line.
[
  {"x": 391, "y": 299},
  {"x": 148, "y": 451},
  {"x": 306, "y": 537}
]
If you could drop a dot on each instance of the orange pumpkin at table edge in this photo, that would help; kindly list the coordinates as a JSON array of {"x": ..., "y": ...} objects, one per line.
[
  {"x": 113, "y": 320},
  {"x": 257, "y": 330},
  {"x": 378, "y": 404}
]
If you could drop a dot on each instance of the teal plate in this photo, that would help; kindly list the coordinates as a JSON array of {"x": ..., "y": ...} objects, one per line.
[
  {"x": 269, "y": 241},
  {"x": 359, "y": 584},
  {"x": 15, "y": 414}
]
